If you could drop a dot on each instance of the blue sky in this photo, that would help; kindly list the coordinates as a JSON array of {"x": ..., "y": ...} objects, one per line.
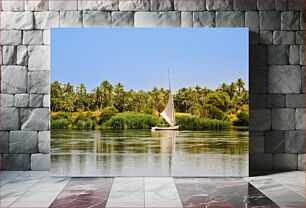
[{"x": 139, "y": 58}]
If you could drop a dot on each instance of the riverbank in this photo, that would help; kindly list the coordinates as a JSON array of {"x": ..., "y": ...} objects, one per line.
[{"x": 131, "y": 120}]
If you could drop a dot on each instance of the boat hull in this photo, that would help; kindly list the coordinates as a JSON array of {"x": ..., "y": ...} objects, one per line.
[{"x": 171, "y": 128}]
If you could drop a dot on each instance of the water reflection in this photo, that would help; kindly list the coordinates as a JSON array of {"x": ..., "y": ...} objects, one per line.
[{"x": 146, "y": 153}]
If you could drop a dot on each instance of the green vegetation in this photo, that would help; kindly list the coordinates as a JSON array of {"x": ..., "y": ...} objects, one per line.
[
  {"x": 191, "y": 122},
  {"x": 132, "y": 121},
  {"x": 112, "y": 107}
]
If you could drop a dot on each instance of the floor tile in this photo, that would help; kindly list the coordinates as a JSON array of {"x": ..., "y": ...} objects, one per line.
[
  {"x": 156, "y": 184},
  {"x": 21, "y": 204},
  {"x": 80, "y": 199},
  {"x": 277, "y": 192},
  {"x": 125, "y": 200},
  {"x": 89, "y": 184},
  {"x": 128, "y": 185},
  {"x": 50, "y": 184},
  {"x": 163, "y": 198}
]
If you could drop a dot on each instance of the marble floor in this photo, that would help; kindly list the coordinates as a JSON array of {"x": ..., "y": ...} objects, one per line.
[{"x": 39, "y": 189}]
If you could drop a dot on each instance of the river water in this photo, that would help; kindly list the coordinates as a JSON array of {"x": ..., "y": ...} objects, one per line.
[{"x": 146, "y": 153}]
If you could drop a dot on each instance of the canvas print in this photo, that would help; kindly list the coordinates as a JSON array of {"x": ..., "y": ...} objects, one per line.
[{"x": 149, "y": 102}]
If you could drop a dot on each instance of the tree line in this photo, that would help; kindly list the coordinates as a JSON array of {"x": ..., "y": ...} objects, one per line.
[{"x": 227, "y": 102}]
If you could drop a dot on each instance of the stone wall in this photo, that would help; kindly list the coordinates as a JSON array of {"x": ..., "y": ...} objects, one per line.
[{"x": 276, "y": 68}]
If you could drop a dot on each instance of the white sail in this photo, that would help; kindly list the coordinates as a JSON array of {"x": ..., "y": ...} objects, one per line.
[{"x": 168, "y": 113}]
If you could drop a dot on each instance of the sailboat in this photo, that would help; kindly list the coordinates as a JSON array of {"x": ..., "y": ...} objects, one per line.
[{"x": 168, "y": 114}]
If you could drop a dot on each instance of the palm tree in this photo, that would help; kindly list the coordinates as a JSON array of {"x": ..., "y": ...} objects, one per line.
[{"x": 240, "y": 85}]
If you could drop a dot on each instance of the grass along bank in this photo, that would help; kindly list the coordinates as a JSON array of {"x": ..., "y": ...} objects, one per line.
[{"x": 129, "y": 120}]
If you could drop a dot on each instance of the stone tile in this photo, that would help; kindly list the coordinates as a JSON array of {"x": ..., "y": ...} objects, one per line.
[
  {"x": 36, "y": 100},
  {"x": 36, "y": 119},
  {"x": 11, "y": 37},
  {"x": 71, "y": 19},
  {"x": 186, "y": 6},
  {"x": 157, "y": 19},
  {"x": 294, "y": 54},
  {"x": 186, "y": 19},
  {"x": 22, "y": 55},
  {"x": 216, "y": 5},
  {"x": 290, "y": 20},
  {"x": 46, "y": 101},
  {"x": 283, "y": 118},
  {"x": 229, "y": 19},
  {"x": 269, "y": 20},
  {"x": 13, "y": 6},
  {"x": 13, "y": 79},
  {"x": 162, "y": 5},
  {"x": 4, "y": 141},
  {"x": 10, "y": 119},
  {"x": 257, "y": 101},
  {"x": 301, "y": 163},
  {"x": 99, "y": 5},
  {"x": 6, "y": 100},
  {"x": 295, "y": 100},
  {"x": 122, "y": 19},
  {"x": 259, "y": 161},
  {"x": 44, "y": 142},
  {"x": 274, "y": 141},
  {"x": 32, "y": 37},
  {"x": 96, "y": 19},
  {"x": 260, "y": 120},
  {"x": 22, "y": 100},
  {"x": 7, "y": 20},
  {"x": 40, "y": 161},
  {"x": 23, "y": 142},
  {"x": 283, "y": 38},
  {"x": 302, "y": 20},
  {"x": 258, "y": 58},
  {"x": 281, "y": 5},
  {"x": 285, "y": 79},
  {"x": 278, "y": 54},
  {"x": 297, "y": 5},
  {"x": 299, "y": 37},
  {"x": 128, "y": 185},
  {"x": 252, "y": 21},
  {"x": 256, "y": 144},
  {"x": 285, "y": 162},
  {"x": 300, "y": 119},
  {"x": 46, "y": 20},
  {"x": 244, "y": 5},
  {"x": 265, "y": 5},
  {"x": 39, "y": 58},
  {"x": 39, "y": 82},
  {"x": 126, "y": 199},
  {"x": 203, "y": 19},
  {"x": 276, "y": 100},
  {"x": 46, "y": 37},
  {"x": 302, "y": 56},
  {"x": 36, "y": 5},
  {"x": 134, "y": 5},
  {"x": 63, "y": 5},
  {"x": 266, "y": 37},
  {"x": 24, "y": 20},
  {"x": 294, "y": 141},
  {"x": 9, "y": 55},
  {"x": 16, "y": 161}
]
